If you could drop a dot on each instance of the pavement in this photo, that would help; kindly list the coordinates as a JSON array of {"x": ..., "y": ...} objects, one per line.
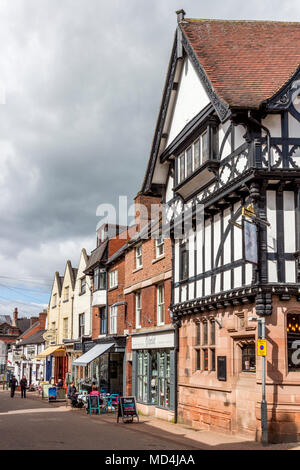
[{"x": 35, "y": 424}]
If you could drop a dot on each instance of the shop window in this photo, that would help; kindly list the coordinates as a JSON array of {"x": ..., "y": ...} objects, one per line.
[
  {"x": 248, "y": 358},
  {"x": 164, "y": 379},
  {"x": 293, "y": 342},
  {"x": 142, "y": 376}
]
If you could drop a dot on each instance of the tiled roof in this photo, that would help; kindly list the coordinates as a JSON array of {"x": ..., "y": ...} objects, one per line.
[
  {"x": 36, "y": 338},
  {"x": 246, "y": 62},
  {"x": 95, "y": 257},
  {"x": 5, "y": 319}
]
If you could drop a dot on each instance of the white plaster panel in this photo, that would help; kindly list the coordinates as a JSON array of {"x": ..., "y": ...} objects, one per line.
[
  {"x": 272, "y": 271},
  {"x": 273, "y": 123},
  {"x": 207, "y": 245},
  {"x": 271, "y": 216},
  {"x": 289, "y": 222},
  {"x": 191, "y": 99},
  {"x": 290, "y": 271}
]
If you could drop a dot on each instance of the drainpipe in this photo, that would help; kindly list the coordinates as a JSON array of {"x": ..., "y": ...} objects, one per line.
[{"x": 251, "y": 118}]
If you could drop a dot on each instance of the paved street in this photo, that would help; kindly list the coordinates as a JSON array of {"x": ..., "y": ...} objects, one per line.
[{"x": 33, "y": 424}]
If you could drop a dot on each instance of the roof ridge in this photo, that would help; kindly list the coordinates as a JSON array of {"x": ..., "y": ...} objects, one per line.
[{"x": 203, "y": 20}]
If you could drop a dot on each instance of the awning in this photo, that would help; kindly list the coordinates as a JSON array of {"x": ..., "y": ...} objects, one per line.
[
  {"x": 90, "y": 355},
  {"x": 50, "y": 350}
]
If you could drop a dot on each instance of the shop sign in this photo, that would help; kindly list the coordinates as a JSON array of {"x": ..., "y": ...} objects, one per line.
[
  {"x": 154, "y": 341},
  {"x": 88, "y": 345},
  {"x": 17, "y": 356},
  {"x": 49, "y": 336},
  {"x": 127, "y": 409}
]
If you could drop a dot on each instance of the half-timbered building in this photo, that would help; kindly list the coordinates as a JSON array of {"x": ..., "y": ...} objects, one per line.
[{"x": 227, "y": 141}]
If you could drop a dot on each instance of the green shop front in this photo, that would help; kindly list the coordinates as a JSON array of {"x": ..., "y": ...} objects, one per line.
[{"x": 153, "y": 372}]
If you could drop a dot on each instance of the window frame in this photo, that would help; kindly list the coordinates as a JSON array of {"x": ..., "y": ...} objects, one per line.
[
  {"x": 159, "y": 245},
  {"x": 139, "y": 257},
  {"x": 113, "y": 320},
  {"x": 81, "y": 325},
  {"x": 138, "y": 309},
  {"x": 113, "y": 279},
  {"x": 160, "y": 289},
  {"x": 83, "y": 285}
]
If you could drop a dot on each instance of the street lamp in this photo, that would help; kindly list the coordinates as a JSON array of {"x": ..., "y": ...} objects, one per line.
[{"x": 263, "y": 408}]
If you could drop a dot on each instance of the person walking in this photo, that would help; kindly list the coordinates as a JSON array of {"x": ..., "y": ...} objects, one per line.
[
  {"x": 23, "y": 383},
  {"x": 13, "y": 385}
]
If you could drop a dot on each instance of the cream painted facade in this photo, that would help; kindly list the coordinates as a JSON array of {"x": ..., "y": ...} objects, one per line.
[
  {"x": 53, "y": 318},
  {"x": 82, "y": 300},
  {"x": 65, "y": 319}
]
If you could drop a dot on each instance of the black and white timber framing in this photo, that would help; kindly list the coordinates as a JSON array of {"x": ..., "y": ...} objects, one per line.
[{"x": 241, "y": 170}]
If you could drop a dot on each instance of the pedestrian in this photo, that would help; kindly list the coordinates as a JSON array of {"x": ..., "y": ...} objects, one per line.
[
  {"x": 23, "y": 383},
  {"x": 13, "y": 385},
  {"x": 60, "y": 383},
  {"x": 71, "y": 393}
]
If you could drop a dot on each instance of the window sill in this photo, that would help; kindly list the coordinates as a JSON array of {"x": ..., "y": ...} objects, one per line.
[
  {"x": 159, "y": 258},
  {"x": 112, "y": 288},
  {"x": 137, "y": 269}
]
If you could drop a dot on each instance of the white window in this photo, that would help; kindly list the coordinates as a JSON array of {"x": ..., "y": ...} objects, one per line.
[
  {"x": 138, "y": 309},
  {"x": 65, "y": 328},
  {"x": 138, "y": 256},
  {"x": 66, "y": 293},
  {"x": 54, "y": 300},
  {"x": 113, "y": 278},
  {"x": 193, "y": 157},
  {"x": 113, "y": 320},
  {"x": 160, "y": 304},
  {"x": 159, "y": 246},
  {"x": 82, "y": 285},
  {"x": 81, "y": 325}
]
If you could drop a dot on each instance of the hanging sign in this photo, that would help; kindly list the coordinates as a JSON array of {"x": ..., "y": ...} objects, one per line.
[
  {"x": 261, "y": 347},
  {"x": 250, "y": 242},
  {"x": 127, "y": 409},
  {"x": 248, "y": 211}
]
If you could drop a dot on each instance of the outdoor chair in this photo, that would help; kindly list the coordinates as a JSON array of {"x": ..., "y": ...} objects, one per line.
[{"x": 93, "y": 404}]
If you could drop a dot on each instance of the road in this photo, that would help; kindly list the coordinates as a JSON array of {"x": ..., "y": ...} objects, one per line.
[{"x": 32, "y": 424}]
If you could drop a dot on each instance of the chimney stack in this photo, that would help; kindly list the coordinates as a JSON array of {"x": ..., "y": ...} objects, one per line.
[
  {"x": 42, "y": 318},
  {"x": 180, "y": 15},
  {"x": 15, "y": 317},
  {"x": 33, "y": 320}
]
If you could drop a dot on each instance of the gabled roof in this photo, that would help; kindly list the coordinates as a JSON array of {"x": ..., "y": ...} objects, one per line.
[
  {"x": 36, "y": 338},
  {"x": 241, "y": 65},
  {"x": 34, "y": 325},
  {"x": 96, "y": 257},
  {"x": 246, "y": 62},
  {"x": 5, "y": 319}
]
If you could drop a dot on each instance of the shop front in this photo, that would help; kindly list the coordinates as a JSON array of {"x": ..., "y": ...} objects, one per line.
[
  {"x": 56, "y": 362},
  {"x": 101, "y": 365},
  {"x": 153, "y": 372}
]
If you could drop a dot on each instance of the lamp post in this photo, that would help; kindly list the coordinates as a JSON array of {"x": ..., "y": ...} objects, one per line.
[{"x": 263, "y": 404}]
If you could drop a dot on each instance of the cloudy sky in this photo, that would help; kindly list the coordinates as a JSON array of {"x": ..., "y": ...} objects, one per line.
[{"x": 80, "y": 87}]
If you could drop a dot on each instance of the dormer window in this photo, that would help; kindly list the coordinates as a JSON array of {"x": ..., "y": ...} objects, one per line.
[
  {"x": 196, "y": 159},
  {"x": 193, "y": 157}
]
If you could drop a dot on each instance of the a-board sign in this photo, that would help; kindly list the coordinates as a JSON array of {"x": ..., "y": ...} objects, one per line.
[
  {"x": 127, "y": 409},
  {"x": 221, "y": 368}
]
